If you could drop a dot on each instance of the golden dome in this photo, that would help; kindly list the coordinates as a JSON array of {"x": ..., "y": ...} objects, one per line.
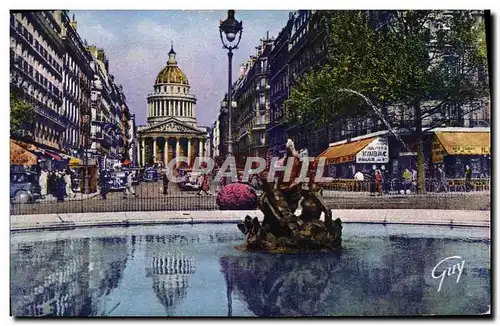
[{"x": 171, "y": 74}]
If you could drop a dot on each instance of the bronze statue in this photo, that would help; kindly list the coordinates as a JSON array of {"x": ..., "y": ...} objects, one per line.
[{"x": 282, "y": 230}]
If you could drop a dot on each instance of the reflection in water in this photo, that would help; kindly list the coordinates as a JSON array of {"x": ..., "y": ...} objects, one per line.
[
  {"x": 186, "y": 270},
  {"x": 169, "y": 270},
  {"x": 375, "y": 278},
  {"x": 66, "y": 278}
]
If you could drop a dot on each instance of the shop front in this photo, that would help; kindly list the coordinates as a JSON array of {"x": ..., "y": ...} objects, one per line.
[
  {"x": 455, "y": 150},
  {"x": 343, "y": 160}
]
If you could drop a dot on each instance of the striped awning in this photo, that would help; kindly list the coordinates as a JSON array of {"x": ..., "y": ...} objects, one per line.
[{"x": 344, "y": 152}]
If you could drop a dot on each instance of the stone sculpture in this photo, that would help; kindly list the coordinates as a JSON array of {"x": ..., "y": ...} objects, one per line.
[{"x": 283, "y": 231}]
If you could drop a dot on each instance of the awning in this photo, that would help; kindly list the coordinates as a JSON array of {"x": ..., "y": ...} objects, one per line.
[
  {"x": 465, "y": 143},
  {"x": 344, "y": 152},
  {"x": 126, "y": 162},
  {"x": 20, "y": 155},
  {"x": 53, "y": 155},
  {"x": 73, "y": 161}
]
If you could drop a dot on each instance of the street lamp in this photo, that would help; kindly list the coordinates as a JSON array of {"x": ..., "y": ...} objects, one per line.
[
  {"x": 86, "y": 131},
  {"x": 232, "y": 30}
]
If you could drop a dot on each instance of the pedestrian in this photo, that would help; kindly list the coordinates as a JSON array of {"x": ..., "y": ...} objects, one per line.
[
  {"x": 67, "y": 180},
  {"x": 441, "y": 177},
  {"x": 360, "y": 178},
  {"x": 205, "y": 184},
  {"x": 406, "y": 181},
  {"x": 373, "y": 184},
  {"x": 414, "y": 180},
  {"x": 378, "y": 180},
  {"x": 103, "y": 183},
  {"x": 51, "y": 183},
  {"x": 165, "y": 180},
  {"x": 255, "y": 182},
  {"x": 129, "y": 187},
  {"x": 60, "y": 186},
  {"x": 468, "y": 178},
  {"x": 385, "y": 179},
  {"x": 42, "y": 180}
]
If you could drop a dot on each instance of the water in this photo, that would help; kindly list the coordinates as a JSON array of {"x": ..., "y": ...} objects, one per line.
[{"x": 194, "y": 270}]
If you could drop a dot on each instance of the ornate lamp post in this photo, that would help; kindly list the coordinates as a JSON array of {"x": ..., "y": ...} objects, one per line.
[
  {"x": 86, "y": 134},
  {"x": 232, "y": 29}
]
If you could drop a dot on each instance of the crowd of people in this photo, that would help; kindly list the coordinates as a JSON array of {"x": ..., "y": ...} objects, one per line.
[
  {"x": 56, "y": 183},
  {"x": 378, "y": 182}
]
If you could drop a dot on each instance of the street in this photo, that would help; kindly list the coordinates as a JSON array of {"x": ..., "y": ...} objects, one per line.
[{"x": 150, "y": 198}]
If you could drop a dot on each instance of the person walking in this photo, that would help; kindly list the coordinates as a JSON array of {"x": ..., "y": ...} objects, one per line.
[
  {"x": 360, "y": 178},
  {"x": 42, "y": 180},
  {"x": 378, "y": 180},
  {"x": 60, "y": 186},
  {"x": 103, "y": 183},
  {"x": 468, "y": 178},
  {"x": 205, "y": 184},
  {"x": 51, "y": 183},
  {"x": 373, "y": 184},
  {"x": 406, "y": 181},
  {"x": 414, "y": 180},
  {"x": 165, "y": 181},
  {"x": 441, "y": 178},
  {"x": 67, "y": 180},
  {"x": 385, "y": 179},
  {"x": 129, "y": 187}
]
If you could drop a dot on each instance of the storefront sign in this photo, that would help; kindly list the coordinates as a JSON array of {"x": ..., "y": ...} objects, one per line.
[
  {"x": 470, "y": 150},
  {"x": 437, "y": 151},
  {"x": 376, "y": 152},
  {"x": 341, "y": 159}
]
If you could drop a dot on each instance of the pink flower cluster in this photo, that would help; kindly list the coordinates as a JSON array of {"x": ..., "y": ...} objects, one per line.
[{"x": 237, "y": 196}]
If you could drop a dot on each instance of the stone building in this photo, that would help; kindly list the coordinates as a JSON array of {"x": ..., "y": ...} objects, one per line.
[
  {"x": 37, "y": 52},
  {"x": 171, "y": 130},
  {"x": 77, "y": 81},
  {"x": 251, "y": 93}
]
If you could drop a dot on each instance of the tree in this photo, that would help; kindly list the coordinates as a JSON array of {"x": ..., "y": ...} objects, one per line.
[
  {"x": 22, "y": 115},
  {"x": 425, "y": 64}
]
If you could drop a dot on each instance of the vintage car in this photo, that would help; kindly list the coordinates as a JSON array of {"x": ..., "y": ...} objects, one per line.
[
  {"x": 24, "y": 187},
  {"x": 151, "y": 174},
  {"x": 118, "y": 181}
]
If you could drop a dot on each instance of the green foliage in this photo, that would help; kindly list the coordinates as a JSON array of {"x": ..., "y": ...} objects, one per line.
[
  {"x": 403, "y": 62},
  {"x": 22, "y": 115},
  {"x": 424, "y": 64}
]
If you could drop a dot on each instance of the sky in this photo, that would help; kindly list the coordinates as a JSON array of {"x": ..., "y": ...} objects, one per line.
[{"x": 137, "y": 45}]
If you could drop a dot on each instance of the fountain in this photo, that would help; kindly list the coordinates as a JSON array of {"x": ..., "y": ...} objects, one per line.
[{"x": 281, "y": 229}]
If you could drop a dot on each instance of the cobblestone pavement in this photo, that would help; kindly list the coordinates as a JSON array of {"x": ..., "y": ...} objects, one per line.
[{"x": 150, "y": 197}]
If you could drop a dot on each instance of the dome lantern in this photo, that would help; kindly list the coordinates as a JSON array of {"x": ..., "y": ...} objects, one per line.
[{"x": 171, "y": 73}]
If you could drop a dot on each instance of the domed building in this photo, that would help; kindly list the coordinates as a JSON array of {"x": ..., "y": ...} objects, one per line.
[{"x": 172, "y": 129}]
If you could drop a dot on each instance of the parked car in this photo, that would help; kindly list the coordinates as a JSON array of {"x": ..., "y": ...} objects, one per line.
[
  {"x": 151, "y": 175},
  {"x": 24, "y": 187},
  {"x": 118, "y": 181}
]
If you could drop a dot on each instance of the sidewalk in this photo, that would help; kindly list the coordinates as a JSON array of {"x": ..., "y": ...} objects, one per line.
[
  {"x": 78, "y": 196},
  {"x": 379, "y": 216},
  {"x": 335, "y": 193}
]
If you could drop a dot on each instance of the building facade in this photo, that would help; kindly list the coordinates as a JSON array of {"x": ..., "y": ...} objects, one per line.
[
  {"x": 77, "y": 81},
  {"x": 37, "y": 53},
  {"x": 172, "y": 130},
  {"x": 251, "y": 94},
  {"x": 279, "y": 91}
]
